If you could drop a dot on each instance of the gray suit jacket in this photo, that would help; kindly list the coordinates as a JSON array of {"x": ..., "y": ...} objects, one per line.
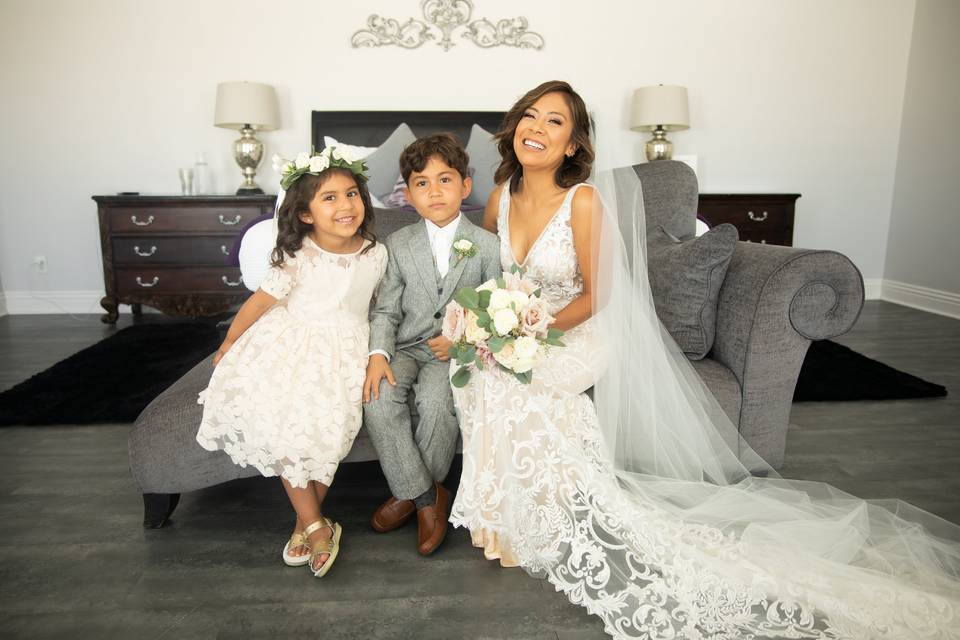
[{"x": 409, "y": 308}]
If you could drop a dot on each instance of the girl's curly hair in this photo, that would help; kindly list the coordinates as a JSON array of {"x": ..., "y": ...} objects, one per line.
[{"x": 291, "y": 230}]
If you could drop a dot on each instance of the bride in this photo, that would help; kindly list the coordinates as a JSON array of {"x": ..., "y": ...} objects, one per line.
[{"x": 643, "y": 504}]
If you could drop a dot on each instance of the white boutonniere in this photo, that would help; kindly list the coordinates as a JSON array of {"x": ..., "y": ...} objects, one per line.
[{"x": 464, "y": 248}]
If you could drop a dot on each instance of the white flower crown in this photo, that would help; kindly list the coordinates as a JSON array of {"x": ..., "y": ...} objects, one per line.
[{"x": 304, "y": 163}]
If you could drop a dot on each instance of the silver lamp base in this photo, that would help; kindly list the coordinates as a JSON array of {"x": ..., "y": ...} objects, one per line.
[
  {"x": 248, "y": 152},
  {"x": 658, "y": 147}
]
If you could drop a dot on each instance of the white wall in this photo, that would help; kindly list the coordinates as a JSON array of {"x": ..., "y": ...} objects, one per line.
[
  {"x": 922, "y": 254},
  {"x": 111, "y": 95}
]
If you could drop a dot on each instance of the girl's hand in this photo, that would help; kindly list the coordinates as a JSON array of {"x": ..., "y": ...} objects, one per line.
[{"x": 222, "y": 351}]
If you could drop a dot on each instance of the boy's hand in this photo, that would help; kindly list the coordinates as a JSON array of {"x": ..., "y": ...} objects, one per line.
[
  {"x": 440, "y": 347},
  {"x": 377, "y": 369},
  {"x": 222, "y": 351}
]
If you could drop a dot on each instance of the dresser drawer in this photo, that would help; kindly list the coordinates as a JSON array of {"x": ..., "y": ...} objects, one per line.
[
  {"x": 140, "y": 220},
  {"x": 132, "y": 280},
  {"x": 172, "y": 250},
  {"x": 765, "y": 218}
]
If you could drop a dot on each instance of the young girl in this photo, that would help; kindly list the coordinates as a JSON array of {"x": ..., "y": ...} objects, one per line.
[{"x": 285, "y": 396}]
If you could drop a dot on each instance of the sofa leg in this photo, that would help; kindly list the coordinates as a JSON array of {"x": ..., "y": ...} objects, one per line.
[{"x": 157, "y": 508}]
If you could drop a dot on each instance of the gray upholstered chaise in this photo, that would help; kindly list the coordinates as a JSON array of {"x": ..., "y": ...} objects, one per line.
[{"x": 773, "y": 302}]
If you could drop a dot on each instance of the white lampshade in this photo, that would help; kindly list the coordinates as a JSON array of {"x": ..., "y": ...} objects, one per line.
[
  {"x": 252, "y": 103},
  {"x": 662, "y": 105}
]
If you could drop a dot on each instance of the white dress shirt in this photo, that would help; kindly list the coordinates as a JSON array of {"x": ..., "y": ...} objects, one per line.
[{"x": 441, "y": 243}]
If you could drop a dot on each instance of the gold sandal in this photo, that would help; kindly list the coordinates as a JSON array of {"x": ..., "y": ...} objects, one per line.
[
  {"x": 296, "y": 540},
  {"x": 330, "y": 547}
]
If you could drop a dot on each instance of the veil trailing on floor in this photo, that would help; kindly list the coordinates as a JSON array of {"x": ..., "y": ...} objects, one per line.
[{"x": 701, "y": 537}]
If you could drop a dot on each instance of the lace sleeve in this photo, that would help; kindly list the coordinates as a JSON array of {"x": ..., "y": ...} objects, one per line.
[{"x": 279, "y": 281}]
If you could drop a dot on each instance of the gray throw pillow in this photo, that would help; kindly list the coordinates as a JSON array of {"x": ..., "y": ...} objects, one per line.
[
  {"x": 484, "y": 159},
  {"x": 685, "y": 280},
  {"x": 384, "y": 163}
]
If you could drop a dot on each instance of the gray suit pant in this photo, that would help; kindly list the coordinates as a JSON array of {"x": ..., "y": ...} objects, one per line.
[{"x": 412, "y": 458}]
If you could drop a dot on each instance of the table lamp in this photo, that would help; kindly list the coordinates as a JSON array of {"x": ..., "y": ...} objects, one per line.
[{"x": 249, "y": 107}]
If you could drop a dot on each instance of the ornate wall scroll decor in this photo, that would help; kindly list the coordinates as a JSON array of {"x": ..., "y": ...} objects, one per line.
[{"x": 446, "y": 16}]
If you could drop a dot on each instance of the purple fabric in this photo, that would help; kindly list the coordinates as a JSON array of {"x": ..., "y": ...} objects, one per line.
[{"x": 233, "y": 258}]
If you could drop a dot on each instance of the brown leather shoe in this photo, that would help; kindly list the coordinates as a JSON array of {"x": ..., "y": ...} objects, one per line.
[
  {"x": 392, "y": 514},
  {"x": 432, "y": 522}
]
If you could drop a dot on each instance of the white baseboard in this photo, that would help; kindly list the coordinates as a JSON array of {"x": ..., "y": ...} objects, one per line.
[
  {"x": 34, "y": 302},
  {"x": 943, "y": 303},
  {"x": 872, "y": 288}
]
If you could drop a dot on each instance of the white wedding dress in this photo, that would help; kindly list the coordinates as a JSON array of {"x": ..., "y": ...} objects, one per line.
[{"x": 674, "y": 538}]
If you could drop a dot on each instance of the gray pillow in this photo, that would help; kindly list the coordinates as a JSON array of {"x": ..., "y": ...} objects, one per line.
[
  {"x": 384, "y": 163},
  {"x": 484, "y": 159},
  {"x": 685, "y": 280}
]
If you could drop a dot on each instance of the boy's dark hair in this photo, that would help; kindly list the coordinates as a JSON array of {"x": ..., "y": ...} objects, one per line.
[
  {"x": 443, "y": 145},
  {"x": 291, "y": 230}
]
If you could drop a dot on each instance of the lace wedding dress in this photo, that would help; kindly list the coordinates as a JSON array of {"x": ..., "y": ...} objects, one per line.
[{"x": 655, "y": 551}]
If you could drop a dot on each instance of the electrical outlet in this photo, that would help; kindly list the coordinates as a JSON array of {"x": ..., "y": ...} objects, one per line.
[{"x": 40, "y": 262}]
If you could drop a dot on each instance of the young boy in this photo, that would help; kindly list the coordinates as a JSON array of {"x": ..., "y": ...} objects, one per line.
[{"x": 424, "y": 272}]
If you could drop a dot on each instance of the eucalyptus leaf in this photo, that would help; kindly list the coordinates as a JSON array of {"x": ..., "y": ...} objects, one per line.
[
  {"x": 461, "y": 377},
  {"x": 468, "y": 298}
]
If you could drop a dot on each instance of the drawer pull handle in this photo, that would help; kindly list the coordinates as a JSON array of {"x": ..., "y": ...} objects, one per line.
[
  {"x": 144, "y": 254},
  {"x": 227, "y": 282},
  {"x": 134, "y": 220},
  {"x": 224, "y": 250},
  {"x": 236, "y": 220},
  {"x": 757, "y": 218},
  {"x": 140, "y": 282}
]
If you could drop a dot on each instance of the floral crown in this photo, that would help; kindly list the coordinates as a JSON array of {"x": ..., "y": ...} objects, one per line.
[{"x": 330, "y": 157}]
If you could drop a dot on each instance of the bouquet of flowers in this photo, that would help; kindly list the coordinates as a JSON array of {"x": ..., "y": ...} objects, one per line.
[{"x": 502, "y": 323}]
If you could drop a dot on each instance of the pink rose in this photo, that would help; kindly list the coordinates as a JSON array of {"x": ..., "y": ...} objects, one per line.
[
  {"x": 486, "y": 356},
  {"x": 535, "y": 320},
  {"x": 454, "y": 322},
  {"x": 516, "y": 282}
]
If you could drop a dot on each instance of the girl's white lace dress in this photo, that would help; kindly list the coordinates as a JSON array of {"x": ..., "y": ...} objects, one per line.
[{"x": 287, "y": 396}]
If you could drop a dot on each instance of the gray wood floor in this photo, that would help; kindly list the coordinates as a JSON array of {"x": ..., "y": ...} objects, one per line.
[{"x": 75, "y": 563}]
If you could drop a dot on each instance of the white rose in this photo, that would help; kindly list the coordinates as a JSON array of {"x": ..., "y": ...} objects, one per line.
[
  {"x": 499, "y": 299},
  {"x": 505, "y": 321},
  {"x": 522, "y": 365},
  {"x": 343, "y": 153},
  {"x": 303, "y": 160},
  {"x": 463, "y": 245},
  {"x": 279, "y": 164},
  {"x": 489, "y": 285},
  {"x": 520, "y": 299},
  {"x": 526, "y": 348},
  {"x": 506, "y": 356},
  {"x": 474, "y": 332},
  {"x": 319, "y": 163}
]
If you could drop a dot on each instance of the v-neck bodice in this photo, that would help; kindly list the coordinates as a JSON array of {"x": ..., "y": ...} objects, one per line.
[{"x": 551, "y": 260}]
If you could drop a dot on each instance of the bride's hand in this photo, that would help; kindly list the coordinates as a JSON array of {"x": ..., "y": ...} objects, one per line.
[{"x": 222, "y": 351}]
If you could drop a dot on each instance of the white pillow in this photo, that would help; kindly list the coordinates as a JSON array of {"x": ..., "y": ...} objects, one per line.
[
  {"x": 357, "y": 151},
  {"x": 255, "y": 249}
]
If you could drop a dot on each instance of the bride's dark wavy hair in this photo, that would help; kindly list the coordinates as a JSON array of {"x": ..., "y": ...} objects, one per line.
[
  {"x": 291, "y": 229},
  {"x": 572, "y": 170}
]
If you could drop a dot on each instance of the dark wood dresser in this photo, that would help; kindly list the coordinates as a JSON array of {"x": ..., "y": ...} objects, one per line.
[
  {"x": 170, "y": 252},
  {"x": 758, "y": 217}
]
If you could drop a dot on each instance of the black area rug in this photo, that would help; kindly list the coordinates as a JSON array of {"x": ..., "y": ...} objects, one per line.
[
  {"x": 113, "y": 380},
  {"x": 832, "y": 372}
]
